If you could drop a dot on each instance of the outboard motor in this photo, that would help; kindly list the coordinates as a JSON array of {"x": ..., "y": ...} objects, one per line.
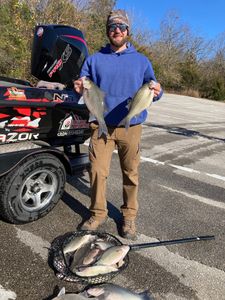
[{"x": 58, "y": 53}]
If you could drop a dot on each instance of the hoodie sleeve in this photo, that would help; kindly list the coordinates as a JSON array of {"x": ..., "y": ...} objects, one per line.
[
  {"x": 150, "y": 75},
  {"x": 86, "y": 70}
]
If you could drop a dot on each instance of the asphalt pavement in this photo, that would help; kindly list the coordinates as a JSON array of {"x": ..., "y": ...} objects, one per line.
[{"x": 181, "y": 194}]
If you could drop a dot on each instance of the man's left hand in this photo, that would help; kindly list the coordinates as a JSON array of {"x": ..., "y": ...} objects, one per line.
[{"x": 156, "y": 86}]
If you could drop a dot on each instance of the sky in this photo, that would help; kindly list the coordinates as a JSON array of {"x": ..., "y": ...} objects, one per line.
[{"x": 205, "y": 18}]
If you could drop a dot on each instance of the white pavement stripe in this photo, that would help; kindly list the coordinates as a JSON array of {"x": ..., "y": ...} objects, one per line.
[
  {"x": 203, "y": 279},
  {"x": 7, "y": 294},
  {"x": 36, "y": 243},
  {"x": 216, "y": 176},
  {"x": 154, "y": 161},
  {"x": 185, "y": 169},
  {"x": 196, "y": 197}
]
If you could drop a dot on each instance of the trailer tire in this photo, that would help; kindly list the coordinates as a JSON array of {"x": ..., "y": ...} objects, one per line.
[{"x": 32, "y": 189}]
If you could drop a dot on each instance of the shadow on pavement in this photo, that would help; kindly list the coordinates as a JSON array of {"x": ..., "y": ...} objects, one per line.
[
  {"x": 74, "y": 204},
  {"x": 185, "y": 132}
]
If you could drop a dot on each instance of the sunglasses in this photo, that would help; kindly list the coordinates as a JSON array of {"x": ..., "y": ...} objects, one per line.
[{"x": 122, "y": 27}]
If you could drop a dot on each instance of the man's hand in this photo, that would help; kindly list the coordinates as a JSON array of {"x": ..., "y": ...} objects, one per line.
[
  {"x": 156, "y": 87},
  {"x": 78, "y": 86}
]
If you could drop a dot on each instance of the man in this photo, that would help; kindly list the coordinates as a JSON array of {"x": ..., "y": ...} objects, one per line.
[{"x": 119, "y": 70}]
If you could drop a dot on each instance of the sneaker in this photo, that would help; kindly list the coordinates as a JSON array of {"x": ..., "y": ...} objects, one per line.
[
  {"x": 129, "y": 230},
  {"x": 92, "y": 224}
]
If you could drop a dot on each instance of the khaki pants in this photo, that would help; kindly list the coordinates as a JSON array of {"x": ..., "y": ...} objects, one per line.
[{"x": 100, "y": 154}]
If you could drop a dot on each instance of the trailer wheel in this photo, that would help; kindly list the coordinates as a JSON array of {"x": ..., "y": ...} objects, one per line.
[{"x": 32, "y": 189}]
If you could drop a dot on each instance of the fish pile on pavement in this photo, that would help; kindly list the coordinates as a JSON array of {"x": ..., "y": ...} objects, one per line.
[
  {"x": 94, "y": 99},
  {"x": 141, "y": 101},
  {"x": 105, "y": 291},
  {"x": 90, "y": 255}
]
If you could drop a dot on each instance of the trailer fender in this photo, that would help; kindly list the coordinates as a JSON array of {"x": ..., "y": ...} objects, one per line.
[{"x": 11, "y": 157}]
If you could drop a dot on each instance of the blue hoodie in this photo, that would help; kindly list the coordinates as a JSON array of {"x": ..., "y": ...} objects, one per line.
[{"x": 119, "y": 75}]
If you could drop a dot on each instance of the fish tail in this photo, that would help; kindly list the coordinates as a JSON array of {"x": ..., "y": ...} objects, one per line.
[
  {"x": 127, "y": 124},
  {"x": 102, "y": 130},
  {"x": 123, "y": 122}
]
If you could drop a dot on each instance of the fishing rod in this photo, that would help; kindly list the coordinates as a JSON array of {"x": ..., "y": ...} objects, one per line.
[{"x": 172, "y": 242}]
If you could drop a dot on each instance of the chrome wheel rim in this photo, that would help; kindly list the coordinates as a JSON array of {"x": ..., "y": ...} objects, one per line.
[{"x": 38, "y": 190}]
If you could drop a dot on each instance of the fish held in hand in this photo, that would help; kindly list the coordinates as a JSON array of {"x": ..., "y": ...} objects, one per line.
[
  {"x": 141, "y": 101},
  {"x": 94, "y": 99}
]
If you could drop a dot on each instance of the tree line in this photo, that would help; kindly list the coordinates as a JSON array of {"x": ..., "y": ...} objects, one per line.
[{"x": 183, "y": 62}]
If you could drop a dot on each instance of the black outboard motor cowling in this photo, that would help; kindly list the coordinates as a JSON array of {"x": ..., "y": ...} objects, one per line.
[{"x": 58, "y": 53}]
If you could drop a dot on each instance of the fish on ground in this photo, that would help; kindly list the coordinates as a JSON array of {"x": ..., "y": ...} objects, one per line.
[
  {"x": 79, "y": 256},
  {"x": 95, "y": 270},
  {"x": 78, "y": 242},
  {"x": 94, "y": 99},
  {"x": 141, "y": 101},
  {"x": 103, "y": 245},
  {"x": 63, "y": 296},
  {"x": 113, "y": 255},
  {"x": 109, "y": 291},
  {"x": 91, "y": 256}
]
